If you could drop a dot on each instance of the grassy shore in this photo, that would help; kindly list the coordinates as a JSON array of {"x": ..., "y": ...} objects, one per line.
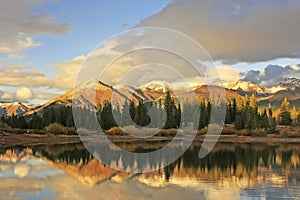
[{"x": 12, "y": 137}]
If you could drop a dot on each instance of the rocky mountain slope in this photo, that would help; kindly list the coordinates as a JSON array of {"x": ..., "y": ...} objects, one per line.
[
  {"x": 12, "y": 108},
  {"x": 92, "y": 93}
]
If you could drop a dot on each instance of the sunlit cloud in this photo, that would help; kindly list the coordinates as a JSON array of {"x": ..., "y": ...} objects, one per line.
[
  {"x": 236, "y": 31},
  {"x": 17, "y": 76},
  {"x": 19, "y": 25}
]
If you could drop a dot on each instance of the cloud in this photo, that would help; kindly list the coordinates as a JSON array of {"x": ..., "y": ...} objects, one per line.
[
  {"x": 19, "y": 24},
  {"x": 236, "y": 31},
  {"x": 135, "y": 68},
  {"x": 44, "y": 95},
  {"x": 7, "y": 96},
  {"x": 16, "y": 76},
  {"x": 24, "y": 94},
  {"x": 272, "y": 74},
  {"x": 67, "y": 73},
  {"x": 229, "y": 74}
]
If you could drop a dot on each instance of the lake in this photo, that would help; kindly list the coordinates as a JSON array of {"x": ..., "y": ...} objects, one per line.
[{"x": 230, "y": 171}]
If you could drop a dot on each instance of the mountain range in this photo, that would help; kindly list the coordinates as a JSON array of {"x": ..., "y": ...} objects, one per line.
[{"x": 153, "y": 91}]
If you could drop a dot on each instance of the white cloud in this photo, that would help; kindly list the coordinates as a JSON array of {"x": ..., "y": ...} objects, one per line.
[
  {"x": 19, "y": 25},
  {"x": 7, "y": 96},
  {"x": 24, "y": 94}
]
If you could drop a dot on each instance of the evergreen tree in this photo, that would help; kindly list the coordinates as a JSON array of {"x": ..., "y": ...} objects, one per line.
[
  {"x": 178, "y": 116},
  {"x": 239, "y": 124},
  {"x": 264, "y": 120},
  {"x": 171, "y": 111},
  {"x": 132, "y": 110},
  {"x": 141, "y": 115},
  {"x": 106, "y": 116},
  {"x": 125, "y": 115}
]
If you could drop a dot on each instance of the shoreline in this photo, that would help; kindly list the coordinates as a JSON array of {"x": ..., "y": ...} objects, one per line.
[{"x": 7, "y": 140}]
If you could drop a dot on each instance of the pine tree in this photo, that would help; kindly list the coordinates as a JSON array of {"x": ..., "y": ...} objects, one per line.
[
  {"x": 239, "y": 123},
  {"x": 178, "y": 116},
  {"x": 228, "y": 114},
  {"x": 132, "y": 110},
  {"x": 141, "y": 116},
  {"x": 126, "y": 118},
  {"x": 233, "y": 110},
  {"x": 264, "y": 120},
  {"x": 106, "y": 116},
  {"x": 171, "y": 111}
]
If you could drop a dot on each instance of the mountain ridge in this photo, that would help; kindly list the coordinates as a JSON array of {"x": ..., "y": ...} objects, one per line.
[{"x": 82, "y": 95}]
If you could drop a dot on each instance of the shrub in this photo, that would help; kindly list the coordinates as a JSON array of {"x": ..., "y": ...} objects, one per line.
[
  {"x": 55, "y": 128},
  {"x": 116, "y": 131},
  {"x": 4, "y": 125}
]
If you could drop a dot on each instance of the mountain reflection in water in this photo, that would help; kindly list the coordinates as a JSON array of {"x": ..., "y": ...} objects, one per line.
[{"x": 230, "y": 171}]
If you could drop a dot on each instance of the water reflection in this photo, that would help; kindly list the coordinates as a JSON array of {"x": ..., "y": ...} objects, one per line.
[{"x": 230, "y": 171}]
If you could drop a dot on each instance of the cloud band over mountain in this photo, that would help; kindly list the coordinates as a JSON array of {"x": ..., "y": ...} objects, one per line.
[{"x": 236, "y": 31}]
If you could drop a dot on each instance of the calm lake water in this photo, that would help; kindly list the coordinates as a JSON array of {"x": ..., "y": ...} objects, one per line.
[{"x": 230, "y": 171}]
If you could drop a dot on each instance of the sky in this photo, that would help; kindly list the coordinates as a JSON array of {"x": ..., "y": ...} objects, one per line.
[{"x": 43, "y": 43}]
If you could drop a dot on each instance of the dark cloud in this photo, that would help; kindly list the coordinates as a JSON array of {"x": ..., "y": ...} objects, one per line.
[
  {"x": 271, "y": 75},
  {"x": 253, "y": 76},
  {"x": 235, "y": 31}
]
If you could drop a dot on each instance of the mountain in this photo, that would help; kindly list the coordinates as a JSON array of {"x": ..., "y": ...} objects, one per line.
[
  {"x": 157, "y": 86},
  {"x": 288, "y": 88},
  {"x": 12, "y": 108},
  {"x": 82, "y": 95},
  {"x": 290, "y": 83},
  {"x": 79, "y": 96},
  {"x": 92, "y": 93},
  {"x": 286, "y": 84},
  {"x": 245, "y": 86}
]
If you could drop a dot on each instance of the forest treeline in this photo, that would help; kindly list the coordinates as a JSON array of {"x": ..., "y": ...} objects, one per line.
[{"x": 242, "y": 113}]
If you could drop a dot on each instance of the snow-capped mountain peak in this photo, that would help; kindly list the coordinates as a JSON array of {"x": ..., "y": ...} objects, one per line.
[
  {"x": 157, "y": 86},
  {"x": 12, "y": 108},
  {"x": 290, "y": 83},
  {"x": 286, "y": 84},
  {"x": 246, "y": 86}
]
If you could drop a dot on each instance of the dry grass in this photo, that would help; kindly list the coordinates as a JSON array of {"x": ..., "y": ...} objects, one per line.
[
  {"x": 289, "y": 131},
  {"x": 226, "y": 130},
  {"x": 132, "y": 130}
]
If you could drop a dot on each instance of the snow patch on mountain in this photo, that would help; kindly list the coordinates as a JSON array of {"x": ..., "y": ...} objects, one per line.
[
  {"x": 157, "y": 86},
  {"x": 246, "y": 86},
  {"x": 12, "y": 108}
]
